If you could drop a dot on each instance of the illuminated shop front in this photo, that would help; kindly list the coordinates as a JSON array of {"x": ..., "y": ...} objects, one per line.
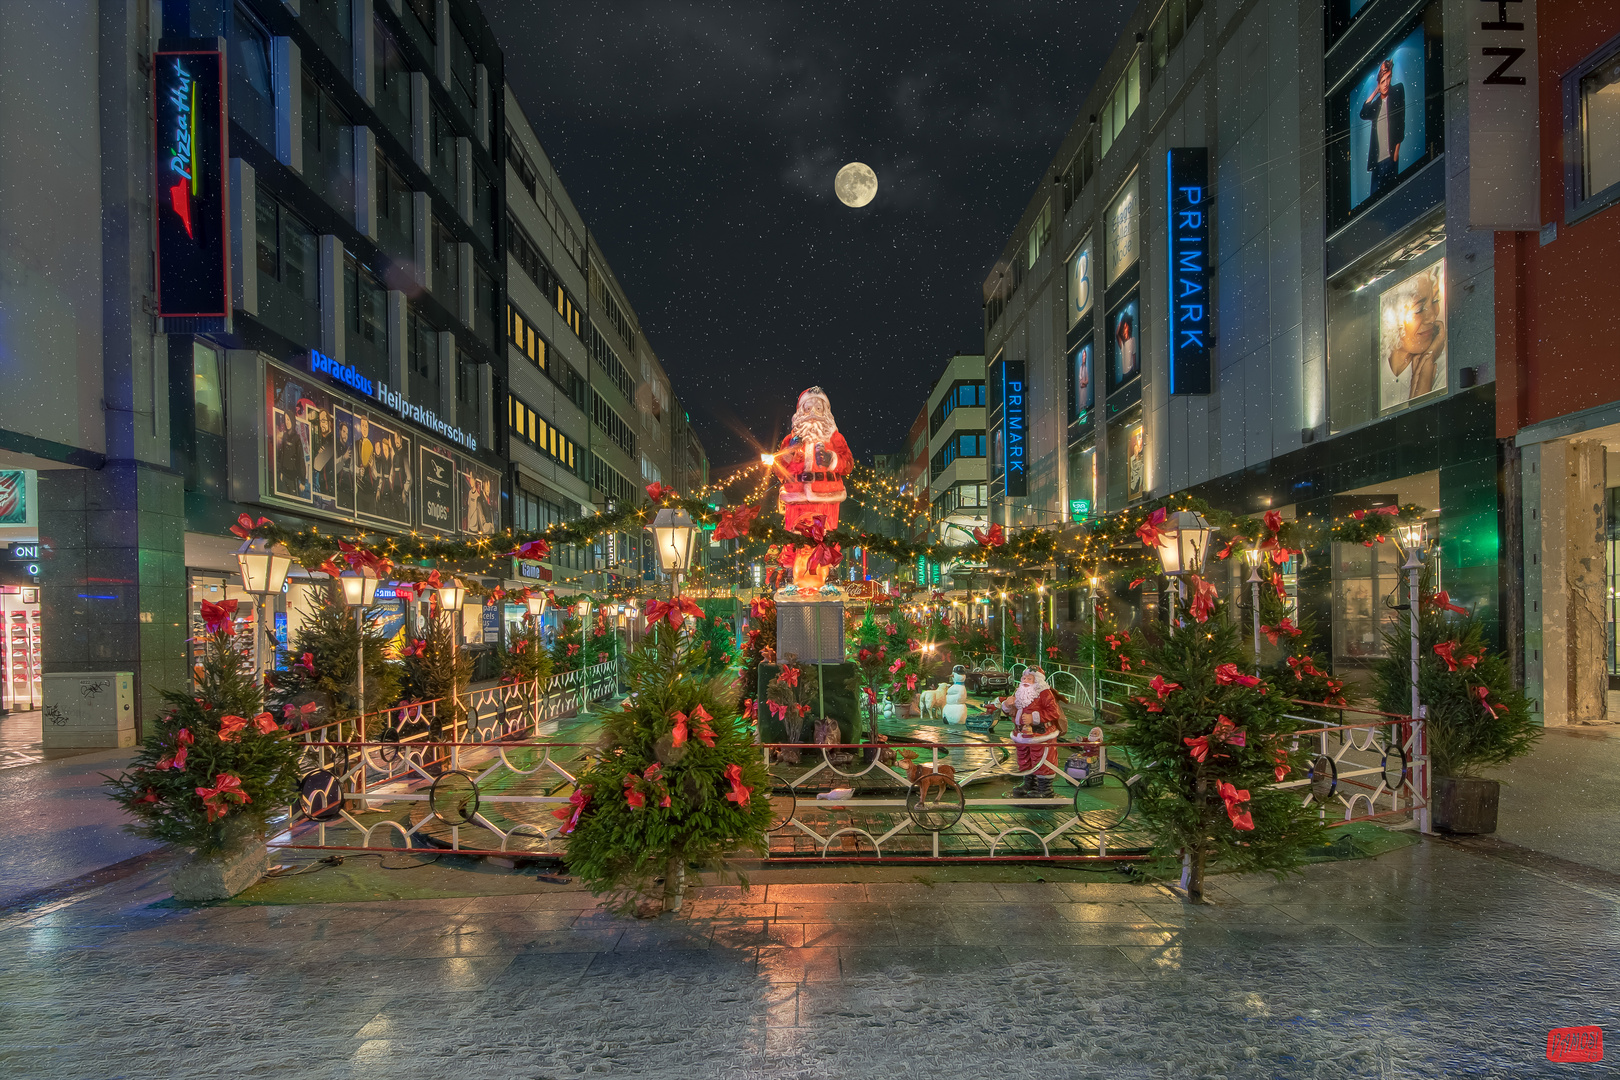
[{"x": 21, "y": 659}]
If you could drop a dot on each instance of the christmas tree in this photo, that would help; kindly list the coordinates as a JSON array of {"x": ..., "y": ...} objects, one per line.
[
  {"x": 527, "y": 660},
  {"x": 1288, "y": 650},
  {"x": 324, "y": 656},
  {"x": 758, "y": 647},
  {"x": 214, "y": 767},
  {"x": 717, "y": 642},
  {"x": 436, "y": 669},
  {"x": 1211, "y": 742},
  {"x": 679, "y": 783}
]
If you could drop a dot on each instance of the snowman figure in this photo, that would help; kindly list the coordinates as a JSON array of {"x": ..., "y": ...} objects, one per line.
[{"x": 956, "y": 709}]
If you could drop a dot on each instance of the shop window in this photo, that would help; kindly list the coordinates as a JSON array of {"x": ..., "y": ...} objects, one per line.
[
  {"x": 1128, "y": 478},
  {"x": 252, "y": 98},
  {"x": 1593, "y": 90},
  {"x": 1387, "y": 329},
  {"x": 208, "y": 398},
  {"x": 1082, "y": 482}
]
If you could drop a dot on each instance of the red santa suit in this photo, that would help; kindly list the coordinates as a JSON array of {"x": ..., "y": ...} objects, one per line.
[
  {"x": 813, "y": 479},
  {"x": 1035, "y": 750}
]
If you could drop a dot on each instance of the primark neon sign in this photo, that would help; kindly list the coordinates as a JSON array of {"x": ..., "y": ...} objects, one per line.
[
  {"x": 393, "y": 400},
  {"x": 1189, "y": 262}
]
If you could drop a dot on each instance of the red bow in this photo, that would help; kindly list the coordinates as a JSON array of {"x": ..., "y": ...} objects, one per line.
[
  {"x": 740, "y": 793},
  {"x": 778, "y": 710},
  {"x": 307, "y": 662},
  {"x": 177, "y": 760},
  {"x": 414, "y": 648},
  {"x": 911, "y": 682},
  {"x": 534, "y": 549},
  {"x": 1277, "y": 583},
  {"x": 1150, "y": 705},
  {"x": 657, "y": 491},
  {"x": 789, "y": 676},
  {"x": 245, "y": 525},
  {"x": 226, "y": 792},
  {"x": 572, "y": 648},
  {"x": 229, "y": 726},
  {"x": 751, "y": 710},
  {"x": 1149, "y": 530},
  {"x": 570, "y": 819},
  {"x": 432, "y": 581},
  {"x": 1280, "y": 756},
  {"x": 1229, "y": 675},
  {"x": 995, "y": 537},
  {"x": 1137, "y": 581},
  {"x": 330, "y": 568},
  {"x": 151, "y": 796},
  {"x": 1303, "y": 666},
  {"x": 300, "y": 713},
  {"x": 217, "y": 617},
  {"x": 894, "y": 668},
  {"x": 1163, "y": 688},
  {"x": 1485, "y": 692},
  {"x": 1442, "y": 600},
  {"x": 1286, "y": 626},
  {"x": 824, "y": 553},
  {"x": 1227, "y": 550},
  {"x": 1234, "y": 798},
  {"x": 1273, "y": 521},
  {"x": 1203, "y": 601},
  {"x": 697, "y": 725},
  {"x": 734, "y": 522},
  {"x": 674, "y": 611},
  {"x": 1225, "y": 733}
]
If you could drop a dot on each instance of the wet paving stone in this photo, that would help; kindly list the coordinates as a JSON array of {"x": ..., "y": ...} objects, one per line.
[{"x": 1430, "y": 961}]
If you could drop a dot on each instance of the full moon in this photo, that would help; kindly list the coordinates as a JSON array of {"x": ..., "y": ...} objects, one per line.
[{"x": 855, "y": 184}]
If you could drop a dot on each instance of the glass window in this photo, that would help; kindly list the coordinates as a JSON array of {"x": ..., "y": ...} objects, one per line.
[
  {"x": 421, "y": 21},
  {"x": 483, "y": 305},
  {"x": 252, "y": 99},
  {"x": 328, "y": 147},
  {"x": 393, "y": 81},
  {"x": 366, "y": 321},
  {"x": 289, "y": 272},
  {"x": 330, "y": 24},
  {"x": 422, "y": 355},
  {"x": 1600, "y": 127},
  {"x": 1128, "y": 478},
  {"x": 483, "y": 208},
  {"x": 1387, "y": 329},
  {"x": 463, "y": 77},
  {"x": 443, "y": 155},
  {"x": 208, "y": 402},
  {"x": 1121, "y": 103},
  {"x": 396, "y": 216},
  {"x": 446, "y": 267},
  {"x": 268, "y": 236},
  {"x": 468, "y": 398}
]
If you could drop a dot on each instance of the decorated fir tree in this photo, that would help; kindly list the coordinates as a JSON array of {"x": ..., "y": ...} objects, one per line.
[
  {"x": 323, "y": 660},
  {"x": 527, "y": 659},
  {"x": 678, "y": 783},
  {"x": 215, "y": 767},
  {"x": 1288, "y": 653},
  {"x": 1211, "y": 742},
  {"x": 716, "y": 643},
  {"x": 567, "y": 646},
  {"x": 1476, "y": 717},
  {"x": 436, "y": 669},
  {"x": 758, "y": 647}
]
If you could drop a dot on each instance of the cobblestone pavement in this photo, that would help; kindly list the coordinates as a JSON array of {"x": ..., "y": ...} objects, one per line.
[{"x": 1431, "y": 961}]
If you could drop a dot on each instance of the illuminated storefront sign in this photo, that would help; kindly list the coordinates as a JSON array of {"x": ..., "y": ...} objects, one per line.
[
  {"x": 321, "y": 364},
  {"x": 193, "y": 260},
  {"x": 1014, "y": 419},
  {"x": 1079, "y": 509},
  {"x": 1188, "y": 170},
  {"x": 341, "y": 373}
]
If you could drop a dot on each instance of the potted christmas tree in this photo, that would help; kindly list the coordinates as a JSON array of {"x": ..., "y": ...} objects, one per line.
[
  {"x": 1476, "y": 718},
  {"x": 678, "y": 783},
  {"x": 210, "y": 775}
]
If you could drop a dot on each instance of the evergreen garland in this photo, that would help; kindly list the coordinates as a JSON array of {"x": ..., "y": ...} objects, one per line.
[{"x": 679, "y": 783}]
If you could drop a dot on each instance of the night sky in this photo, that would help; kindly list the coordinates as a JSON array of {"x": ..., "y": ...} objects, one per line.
[{"x": 700, "y": 143}]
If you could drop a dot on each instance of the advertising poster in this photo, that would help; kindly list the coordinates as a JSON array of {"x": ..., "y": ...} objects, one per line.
[
  {"x": 479, "y": 488},
  {"x": 345, "y": 427},
  {"x": 1124, "y": 354},
  {"x": 438, "y": 491},
  {"x": 13, "y": 497},
  {"x": 1387, "y": 120},
  {"x": 1084, "y": 379},
  {"x": 1080, "y": 282},
  {"x": 1412, "y": 338},
  {"x": 290, "y": 458},
  {"x": 1124, "y": 242},
  {"x": 384, "y": 485},
  {"x": 1135, "y": 462}
]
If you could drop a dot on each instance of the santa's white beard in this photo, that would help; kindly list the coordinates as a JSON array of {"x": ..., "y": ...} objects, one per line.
[
  {"x": 814, "y": 429},
  {"x": 1026, "y": 694}
]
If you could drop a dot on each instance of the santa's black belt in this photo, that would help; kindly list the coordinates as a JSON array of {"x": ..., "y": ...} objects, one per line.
[{"x": 816, "y": 477}]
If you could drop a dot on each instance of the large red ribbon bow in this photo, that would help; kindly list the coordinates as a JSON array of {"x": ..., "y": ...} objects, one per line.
[
  {"x": 1149, "y": 531},
  {"x": 1225, "y": 733},
  {"x": 789, "y": 676},
  {"x": 1442, "y": 600},
  {"x": 695, "y": 725},
  {"x": 432, "y": 581},
  {"x": 994, "y": 537},
  {"x": 177, "y": 760},
  {"x": 307, "y": 662},
  {"x": 657, "y": 491},
  {"x": 1484, "y": 693},
  {"x": 1203, "y": 600},
  {"x": 217, "y": 617},
  {"x": 226, "y": 792},
  {"x": 1234, "y": 798},
  {"x": 824, "y": 553},
  {"x": 1229, "y": 675},
  {"x": 245, "y": 525},
  {"x": 570, "y": 818},
  {"x": 1284, "y": 626},
  {"x": 734, "y": 522},
  {"x": 534, "y": 549},
  {"x": 674, "y": 611},
  {"x": 740, "y": 792}
]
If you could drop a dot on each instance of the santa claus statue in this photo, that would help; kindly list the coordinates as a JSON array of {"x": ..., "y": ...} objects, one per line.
[
  {"x": 812, "y": 463},
  {"x": 1038, "y": 723}
]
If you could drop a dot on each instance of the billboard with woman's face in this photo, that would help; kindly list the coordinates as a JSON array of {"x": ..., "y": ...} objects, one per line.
[
  {"x": 1124, "y": 353},
  {"x": 1412, "y": 338},
  {"x": 1085, "y": 380},
  {"x": 1387, "y": 120}
]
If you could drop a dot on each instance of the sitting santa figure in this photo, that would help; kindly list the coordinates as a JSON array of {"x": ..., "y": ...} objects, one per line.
[
  {"x": 1038, "y": 723},
  {"x": 812, "y": 462}
]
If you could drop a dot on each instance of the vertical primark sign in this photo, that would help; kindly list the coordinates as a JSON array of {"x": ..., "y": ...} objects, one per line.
[
  {"x": 188, "y": 139},
  {"x": 1015, "y": 427},
  {"x": 1189, "y": 262}
]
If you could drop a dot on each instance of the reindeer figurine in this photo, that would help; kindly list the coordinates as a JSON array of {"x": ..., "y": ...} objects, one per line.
[{"x": 927, "y": 777}]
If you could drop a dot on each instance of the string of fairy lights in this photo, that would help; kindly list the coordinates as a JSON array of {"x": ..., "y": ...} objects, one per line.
[{"x": 1026, "y": 562}]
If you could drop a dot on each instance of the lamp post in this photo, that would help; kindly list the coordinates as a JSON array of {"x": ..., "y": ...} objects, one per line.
[
  {"x": 1182, "y": 544},
  {"x": 672, "y": 532},
  {"x": 1096, "y": 678},
  {"x": 1040, "y": 632},
  {"x": 1003, "y": 619},
  {"x": 264, "y": 573},
  {"x": 1413, "y": 540},
  {"x": 537, "y": 607},
  {"x": 1253, "y": 556},
  {"x": 358, "y": 592}
]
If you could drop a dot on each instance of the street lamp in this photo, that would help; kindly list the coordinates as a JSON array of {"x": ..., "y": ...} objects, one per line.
[
  {"x": 452, "y": 595},
  {"x": 358, "y": 591},
  {"x": 1182, "y": 543},
  {"x": 264, "y": 573},
  {"x": 1413, "y": 538},
  {"x": 1254, "y": 557},
  {"x": 672, "y": 532},
  {"x": 536, "y": 602}
]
